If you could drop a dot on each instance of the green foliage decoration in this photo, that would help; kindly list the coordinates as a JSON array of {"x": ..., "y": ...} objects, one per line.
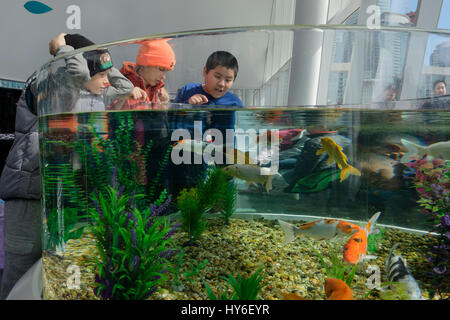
[
  {"x": 243, "y": 288},
  {"x": 337, "y": 268},
  {"x": 133, "y": 247}
]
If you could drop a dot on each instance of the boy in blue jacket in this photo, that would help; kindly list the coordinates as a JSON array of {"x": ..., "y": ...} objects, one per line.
[{"x": 219, "y": 73}]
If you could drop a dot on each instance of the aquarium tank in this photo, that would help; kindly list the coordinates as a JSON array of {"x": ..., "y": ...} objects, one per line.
[{"x": 299, "y": 162}]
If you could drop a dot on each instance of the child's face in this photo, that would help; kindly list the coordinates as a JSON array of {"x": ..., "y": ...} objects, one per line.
[
  {"x": 218, "y": 80},
  {"x": 98, "y": 82},
  {"x": 153, "y": 75}
]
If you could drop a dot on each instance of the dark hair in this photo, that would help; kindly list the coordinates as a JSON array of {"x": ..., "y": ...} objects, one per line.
[
  {"x": 439, "y": 81},
  {"x": 224, "y": 59}
]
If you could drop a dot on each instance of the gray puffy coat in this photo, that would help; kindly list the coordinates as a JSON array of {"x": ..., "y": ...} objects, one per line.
[{"x": 20, "y": 178}]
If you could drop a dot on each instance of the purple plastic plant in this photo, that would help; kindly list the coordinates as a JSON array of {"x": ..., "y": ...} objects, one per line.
[
  {"x": 432, "y": 182},
  {"x": 134, "y": 246}
]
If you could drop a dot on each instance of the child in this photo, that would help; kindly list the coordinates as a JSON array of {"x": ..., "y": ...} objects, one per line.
[
  {"x": 154, "y": 59},
  {"x": 219, "y": 73},
  {"x": 99, "y": 83},
  {"x": 20, "y": 180}
]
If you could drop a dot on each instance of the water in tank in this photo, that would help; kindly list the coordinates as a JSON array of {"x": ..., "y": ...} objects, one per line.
[{"x": 296, "y": 162}]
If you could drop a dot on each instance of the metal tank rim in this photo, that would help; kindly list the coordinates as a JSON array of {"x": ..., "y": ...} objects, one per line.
[{"x": 243, "y": 29}]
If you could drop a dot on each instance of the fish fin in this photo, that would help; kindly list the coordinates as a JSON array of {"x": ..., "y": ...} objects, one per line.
[
  {"x": 269, "y": 183},
  {"x": 330, "y": 161},
  {"x": 349, "y": 170},
  {"x": 371, "y": 224},
  {"x": 414, "y": 150},
  {"x": 391, "y": 254},
  {"x": 366, "y": 257},
  {"x": 320, "y": 151},
  {"x": 288, "y": 231}
]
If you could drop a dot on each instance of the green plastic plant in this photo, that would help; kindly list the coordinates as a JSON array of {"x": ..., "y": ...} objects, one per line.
[
  {"x": 243, "y": 288},
  {"x": 133, "y": 247},
  {"x": 374, "y": 241},
  {"x": 61, "y": 225},
  {"x": 192, "y": 211},
  {"x": 194, "y": 269},
  {"x": 218, "y": 193},
  {"x": 338, "y": 269},
  {"x": 64, "y": 206}
]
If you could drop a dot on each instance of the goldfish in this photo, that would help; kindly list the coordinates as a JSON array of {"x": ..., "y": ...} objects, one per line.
[
  {"x": 291, "y": 296},
  {"x": 397, "y": 271},
  {"x": 335, "y": 154},
  {"x": 251, "y": 174},
  {"x": 336, "y": 289},
  {"x": 323, "y": 229},
  {"x": 356, "y": 247},
  {"x": 435, "y": 150}
]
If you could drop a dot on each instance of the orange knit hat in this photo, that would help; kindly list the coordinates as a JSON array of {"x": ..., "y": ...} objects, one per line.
[{"x": 156, "y": 53}]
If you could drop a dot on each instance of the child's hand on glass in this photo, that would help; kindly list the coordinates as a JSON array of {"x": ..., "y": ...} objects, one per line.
[{"x": 198, "y": 99}]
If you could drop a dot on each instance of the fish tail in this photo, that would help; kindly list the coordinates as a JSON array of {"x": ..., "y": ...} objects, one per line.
[
  {"x": 370, "y": 227},
  {"x": 288, "y": 231},
  {"x": 414, "y": 150},
  {"x": 269, "y": 183},
  {"x": 349, "y": 170}
]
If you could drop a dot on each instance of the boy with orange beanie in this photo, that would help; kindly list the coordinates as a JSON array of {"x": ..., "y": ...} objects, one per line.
[{"x": 154, "y": 59}]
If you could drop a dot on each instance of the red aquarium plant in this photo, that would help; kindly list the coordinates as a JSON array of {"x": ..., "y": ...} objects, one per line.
[{"x": 432, "y": 182}]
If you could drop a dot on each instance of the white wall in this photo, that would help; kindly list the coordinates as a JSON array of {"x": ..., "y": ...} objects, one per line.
[{"x": 24, "y": 36}]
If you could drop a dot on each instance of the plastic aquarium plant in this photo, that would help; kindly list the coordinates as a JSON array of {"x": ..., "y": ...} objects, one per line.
[
  {"x": 133, "y": 245},
  {"x": 374, "y": 241},
  {"x": 64, "y": 206},
  {"x": 218, "y": 193},
  {"x": 432, "y": 182},
  {"x": 61, "y": 226},
  {"x": 338, "y": 269},
  {"x": 192, "y": 210},
  {"x": 119, "y": 154},
  {"x": 243, "y": 288}
]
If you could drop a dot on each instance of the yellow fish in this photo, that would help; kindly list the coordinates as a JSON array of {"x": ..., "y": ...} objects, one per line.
[{"x": 335, "y": 154}]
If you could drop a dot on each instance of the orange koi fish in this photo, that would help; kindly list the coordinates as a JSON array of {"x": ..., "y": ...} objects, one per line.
[
  {"x": 323, "y": 229},
  {"x": 336, "y": 289},
  {"x": 335, "y": 154},
  {"x": 291, "y": 296},
  {"x": 356, "y": 247}
]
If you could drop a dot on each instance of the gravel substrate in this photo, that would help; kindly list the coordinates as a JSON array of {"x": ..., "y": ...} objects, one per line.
[{"x": 241, "y": 248}]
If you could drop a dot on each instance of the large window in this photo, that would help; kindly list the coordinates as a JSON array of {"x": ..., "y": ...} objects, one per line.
[{"x": 437, "y": 55}]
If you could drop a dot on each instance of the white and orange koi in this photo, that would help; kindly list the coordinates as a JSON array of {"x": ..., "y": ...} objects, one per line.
[
  {"x": 335, "y": 154},
  {"x": 252, "y": 174},
  {"x": 323, "y": 229}
]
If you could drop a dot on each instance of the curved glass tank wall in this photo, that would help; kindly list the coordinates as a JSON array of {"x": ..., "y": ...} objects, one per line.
[{"x": 337, "y": 158}]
